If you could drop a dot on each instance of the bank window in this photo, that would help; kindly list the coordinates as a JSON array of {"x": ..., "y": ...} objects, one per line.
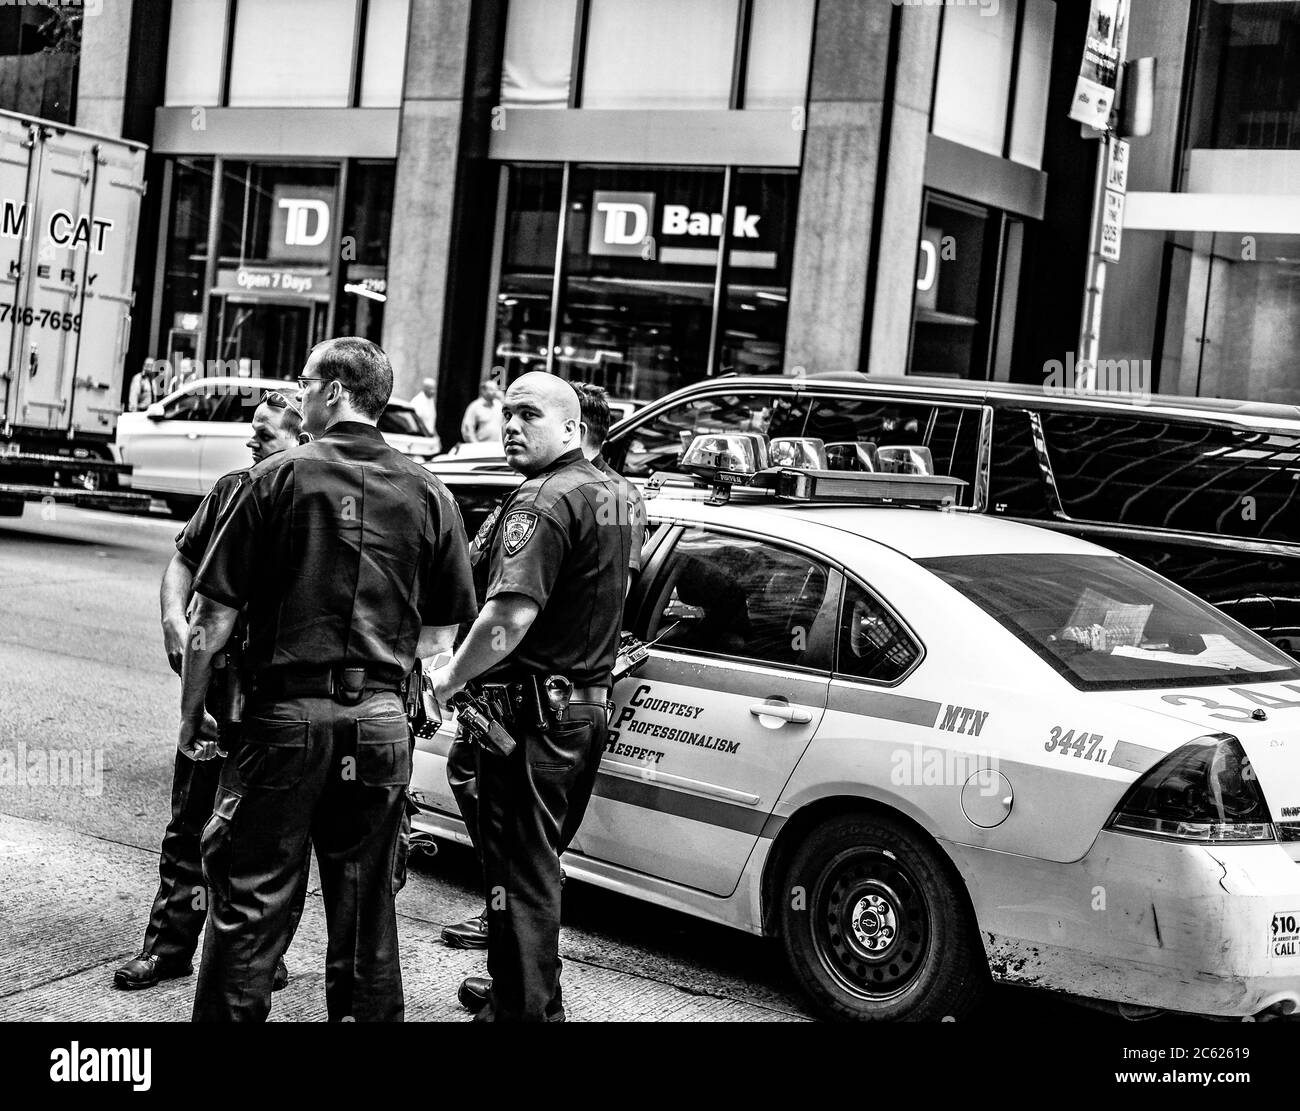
[
  {"x": 652, "y": 54},
  {"x": 1165, "y": 474},
  {"x": 872, "y": 642},
  {"x": 985, "y": 52},
  {"x": 384, "y": 64},
  {"x": 322, "y": 68},
  {"x": 659, "y": 54},
  {"x": 736, "y": 596},
  {"x": 315, "y": 73},
  {"x": 1246, "y": 82},
  {"x": 198, "y": 28},
  {"x": 780, "y": 51},
  {"x": 956, "y": 328},
  {"x": 538, "y": 62}
]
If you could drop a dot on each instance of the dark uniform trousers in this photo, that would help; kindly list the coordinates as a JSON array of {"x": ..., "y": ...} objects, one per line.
[
  {"x": 181, "y": 905},
  {"x": 309, "y": 770},
  {"x": 527, "y": 804},
  {"x": 462, "y": 776}
]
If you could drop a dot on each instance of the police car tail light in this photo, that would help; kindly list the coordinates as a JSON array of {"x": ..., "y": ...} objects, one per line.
[{"x": 1205, "y": 791}]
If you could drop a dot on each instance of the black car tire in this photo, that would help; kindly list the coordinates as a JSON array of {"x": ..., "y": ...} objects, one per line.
[{"x": 876, "y": 927}]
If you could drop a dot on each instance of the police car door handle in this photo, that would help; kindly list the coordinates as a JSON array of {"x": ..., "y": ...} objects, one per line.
[{"x": 793, "y": 714}]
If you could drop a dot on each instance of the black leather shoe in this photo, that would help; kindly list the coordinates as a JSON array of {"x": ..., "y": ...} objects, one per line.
[
  {"x": 146, "y": 970},
  {"x": 474, "y": 993},
  {"x": 470, "y": 934},
  {"x": 281, "y": 977}
]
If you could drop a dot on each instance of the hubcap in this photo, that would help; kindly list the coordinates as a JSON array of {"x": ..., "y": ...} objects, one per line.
[
  {"x": 871, "y": 923},
  {"x": 874, "y": 923}
]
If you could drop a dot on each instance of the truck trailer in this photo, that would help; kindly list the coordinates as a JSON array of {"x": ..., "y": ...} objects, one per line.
[{"x": 69, "y": 212}]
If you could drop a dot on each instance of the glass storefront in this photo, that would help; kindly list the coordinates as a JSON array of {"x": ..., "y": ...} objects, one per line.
[
  {"x": 278, "y": 273},
  {"x": 969, "y": 259},
  {"x": 40, "y": 49},
  {"x": 642, "y": 297},
  {"x": 1247, "y": 77}
]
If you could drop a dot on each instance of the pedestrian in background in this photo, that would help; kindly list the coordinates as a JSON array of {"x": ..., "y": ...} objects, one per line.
[
  {"x": 145, "y": 389},
  {"x": 179, "y": 908},
  {"x": 351, "y": 561},
  {"x": 426, "y": 406},
  {"x": 555, "y": 579},
  {"x": 482, "y": 420}
]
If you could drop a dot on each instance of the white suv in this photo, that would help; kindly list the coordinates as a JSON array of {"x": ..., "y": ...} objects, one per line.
[{"x": 180, "y": 446}]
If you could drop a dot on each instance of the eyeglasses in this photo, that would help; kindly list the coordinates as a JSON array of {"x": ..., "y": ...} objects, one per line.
[
  {"x": 303, "y": 378},
  {"x": 278, "y": 400}
]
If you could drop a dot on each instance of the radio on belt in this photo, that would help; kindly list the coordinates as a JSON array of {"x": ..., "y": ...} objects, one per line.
[{"x": 794, "y": 468}]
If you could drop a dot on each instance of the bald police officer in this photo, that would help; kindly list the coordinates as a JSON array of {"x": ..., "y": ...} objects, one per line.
[
  {"x": 625, "y": 499},
  {"x": 179, "y": 908},
  {"x": 351, "y": 560},
  {"x": 556, "y": 576}
]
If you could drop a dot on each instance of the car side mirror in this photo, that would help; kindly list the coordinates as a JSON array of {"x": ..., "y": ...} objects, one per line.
[{"x": 156, "y": 411}]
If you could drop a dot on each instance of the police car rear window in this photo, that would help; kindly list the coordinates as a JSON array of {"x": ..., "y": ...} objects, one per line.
[{"x": 1105, "y": 623}]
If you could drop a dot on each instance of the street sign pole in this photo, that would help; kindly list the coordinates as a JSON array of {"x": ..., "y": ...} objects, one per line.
[{"x": 1109, "y": 183}]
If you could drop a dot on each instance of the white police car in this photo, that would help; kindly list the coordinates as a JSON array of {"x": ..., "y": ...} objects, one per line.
[{"x": 928, "y": 747}]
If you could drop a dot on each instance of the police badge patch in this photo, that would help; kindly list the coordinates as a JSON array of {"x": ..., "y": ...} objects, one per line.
[{"x": 518, "y": 530}]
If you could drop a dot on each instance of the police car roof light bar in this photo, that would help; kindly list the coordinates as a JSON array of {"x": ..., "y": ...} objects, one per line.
[{"x": 866, "y": 488}]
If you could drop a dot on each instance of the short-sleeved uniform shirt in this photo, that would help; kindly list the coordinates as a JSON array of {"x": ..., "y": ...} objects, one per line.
[
  {"x": 557, "y": 542},
  {"x": 193, "y": 540},
  {"x": 341, "y": 550},
  {"x": 632, "y": 503}
]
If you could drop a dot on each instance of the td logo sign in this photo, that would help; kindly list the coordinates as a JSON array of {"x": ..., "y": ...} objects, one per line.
[{"x": 622, "y": 223}]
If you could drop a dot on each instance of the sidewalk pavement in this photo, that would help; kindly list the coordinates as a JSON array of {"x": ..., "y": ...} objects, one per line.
[{"x": 73, "y": 907}]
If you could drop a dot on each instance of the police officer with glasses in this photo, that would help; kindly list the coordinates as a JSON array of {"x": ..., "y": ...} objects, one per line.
[{"x": 350, "y": 560}]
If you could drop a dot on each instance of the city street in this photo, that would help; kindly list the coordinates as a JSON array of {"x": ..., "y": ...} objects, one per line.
[{"x": 83, "y": 672}]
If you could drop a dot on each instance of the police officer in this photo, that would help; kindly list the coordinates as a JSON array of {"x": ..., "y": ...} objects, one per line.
[
  {"x": 180, "y": 906},
  {"x": 623, "y": 499},
  {"x": 351, "y": 560},
  {"x": 556, "y": 575}
]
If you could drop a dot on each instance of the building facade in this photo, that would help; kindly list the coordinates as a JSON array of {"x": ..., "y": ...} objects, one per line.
[{"x": 643, "y": 193}]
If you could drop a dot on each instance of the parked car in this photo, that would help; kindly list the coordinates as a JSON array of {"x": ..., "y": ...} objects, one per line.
[
  {"x": 926, "y": 748},
  {"x": 181, "y": 445},
  {"x": 1205, "y": 491}
]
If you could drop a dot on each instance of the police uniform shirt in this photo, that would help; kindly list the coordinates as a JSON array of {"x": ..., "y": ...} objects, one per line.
[
  {"x": 342, "y": 549},
  {"x": 193, "y": 540},
  {"x": 630, "y": 498},
  {"x": 552, "y": 542}
]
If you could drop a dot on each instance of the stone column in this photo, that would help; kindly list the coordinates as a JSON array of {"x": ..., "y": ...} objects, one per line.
[
  {"x": 102, "y": 67},
  {"x": 837, "y": 192},
  {"x": 420, "y": 239},
  {"x": 900, "y": 215}
]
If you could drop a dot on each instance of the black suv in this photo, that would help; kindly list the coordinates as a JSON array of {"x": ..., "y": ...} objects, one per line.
[{"x": 1204, "y": 491}]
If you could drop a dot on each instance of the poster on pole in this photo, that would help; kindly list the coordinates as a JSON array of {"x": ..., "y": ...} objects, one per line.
[{"x": 1094, "y": 91}]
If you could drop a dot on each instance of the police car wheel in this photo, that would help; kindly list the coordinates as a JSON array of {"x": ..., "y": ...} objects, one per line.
[{"x": 875, "y": 927}]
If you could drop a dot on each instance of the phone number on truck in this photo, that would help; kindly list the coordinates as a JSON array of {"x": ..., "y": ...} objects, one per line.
[{"x": 42, "y": 318}]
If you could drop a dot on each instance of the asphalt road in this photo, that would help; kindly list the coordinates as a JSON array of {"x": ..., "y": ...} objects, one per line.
[{"x": 82, "y": 668}]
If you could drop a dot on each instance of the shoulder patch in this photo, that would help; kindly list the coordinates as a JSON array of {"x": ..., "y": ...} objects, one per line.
[
  {"x": 485, "y": 529},
  {"x": 517, "y": 530}
]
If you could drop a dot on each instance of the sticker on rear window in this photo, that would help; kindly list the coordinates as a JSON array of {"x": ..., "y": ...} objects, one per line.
[{"x": 1284, "y": 935}]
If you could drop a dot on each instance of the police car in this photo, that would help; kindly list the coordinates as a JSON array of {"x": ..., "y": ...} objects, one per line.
[{"x": 928, "y": 748}]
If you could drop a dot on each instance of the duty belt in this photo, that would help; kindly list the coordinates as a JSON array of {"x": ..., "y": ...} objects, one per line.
[
  {"x": 526, "y": 700},
  {"x": 348, "y": 685}
]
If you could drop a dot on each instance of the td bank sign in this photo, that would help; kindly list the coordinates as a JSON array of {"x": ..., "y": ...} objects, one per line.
[{"x": 624, "y": 223}]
